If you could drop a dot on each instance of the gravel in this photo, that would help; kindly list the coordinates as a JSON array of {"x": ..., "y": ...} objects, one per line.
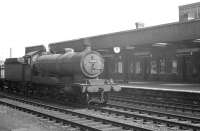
[{"x": 14, "y": 120}]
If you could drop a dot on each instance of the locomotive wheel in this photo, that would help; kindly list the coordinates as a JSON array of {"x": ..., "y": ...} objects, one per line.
[
  {"x": 104, "y": 98},
  {"x": 100, "y": 99},
  {"x": 85, "y": 99}
]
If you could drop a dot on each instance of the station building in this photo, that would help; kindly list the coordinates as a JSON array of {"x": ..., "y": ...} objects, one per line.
[
  {"x": 168, "y": 52},
  {"x": 1, "y": 69},
  {"x": 189, "y": 12}
]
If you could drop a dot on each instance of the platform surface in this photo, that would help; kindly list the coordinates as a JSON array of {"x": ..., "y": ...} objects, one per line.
[{"x": 165, "y": 86}]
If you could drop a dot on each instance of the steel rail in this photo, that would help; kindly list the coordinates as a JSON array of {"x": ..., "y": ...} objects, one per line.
[
  {"x": 160, "y": 100},
  {"x": 115, "y": 123},
  {"x": 153, "y": 104}
]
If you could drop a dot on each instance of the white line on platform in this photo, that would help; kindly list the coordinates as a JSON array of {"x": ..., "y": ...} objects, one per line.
[{"x": 162, "y": 89}]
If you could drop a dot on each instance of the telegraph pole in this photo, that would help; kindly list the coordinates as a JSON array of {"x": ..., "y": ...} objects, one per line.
[{"x": 10, "y": 52}]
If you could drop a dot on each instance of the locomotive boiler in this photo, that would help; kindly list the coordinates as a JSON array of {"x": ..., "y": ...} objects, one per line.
[
  {"x": 87, "y": 63},
  {"x": 71, "y": 76}
]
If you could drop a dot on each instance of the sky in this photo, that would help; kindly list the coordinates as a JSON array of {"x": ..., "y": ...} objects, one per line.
[{"x": 34, "y": 22}]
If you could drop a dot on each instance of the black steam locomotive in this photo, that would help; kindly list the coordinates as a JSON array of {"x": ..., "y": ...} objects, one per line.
[{"x": 71, "y": 76}]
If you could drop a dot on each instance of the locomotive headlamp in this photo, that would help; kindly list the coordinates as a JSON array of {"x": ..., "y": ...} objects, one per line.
[{"x": 116, "y": 50}]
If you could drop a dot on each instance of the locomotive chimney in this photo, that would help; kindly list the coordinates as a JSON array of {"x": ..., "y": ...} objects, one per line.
[
  {"x": 88, "y": 48},
  {"x": 87, "y": 44}
]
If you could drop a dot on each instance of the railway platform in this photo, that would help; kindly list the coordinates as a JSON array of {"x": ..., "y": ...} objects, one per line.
[{"x": 164, "y": 86}]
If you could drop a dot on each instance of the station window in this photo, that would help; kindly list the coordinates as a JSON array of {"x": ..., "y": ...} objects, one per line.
[
  {"x": 137, "y": 67},
  {"x": 153, "y": 67},
  {"x": 174, "y": 66},
  {"x": 2, "y": 71},
  {"x": 191, "y": 15},
  {"x": 116, "y": 68},
  {"x": 119, "y": 67},
  {"x": 194, "y": 70},
  {"x": 29, "y": 61},
  {"x": 162, "y": 66},
  {"x": 131, "y": 68},
  {"x": 185, "y": 15}
]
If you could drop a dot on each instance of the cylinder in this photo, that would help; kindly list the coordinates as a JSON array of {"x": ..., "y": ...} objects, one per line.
[{"x": 88, "y": 63}]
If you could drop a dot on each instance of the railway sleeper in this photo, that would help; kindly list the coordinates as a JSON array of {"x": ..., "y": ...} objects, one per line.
[{"x": 108, "y": 121}]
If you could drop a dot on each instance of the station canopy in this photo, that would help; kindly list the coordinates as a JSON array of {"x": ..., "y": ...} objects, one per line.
[{"x": 172, "y": 33}]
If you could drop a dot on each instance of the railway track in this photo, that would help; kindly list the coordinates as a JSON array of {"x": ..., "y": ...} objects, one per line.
[
  {"x": 167, "y": 96},
  {"x": 181, "y": 108},
  {"x": 171, "y": 98},
  {"x": 114, "y": 116},
  {"x": 80, "y": 119},
  {"x": 169, "y": 120}
]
